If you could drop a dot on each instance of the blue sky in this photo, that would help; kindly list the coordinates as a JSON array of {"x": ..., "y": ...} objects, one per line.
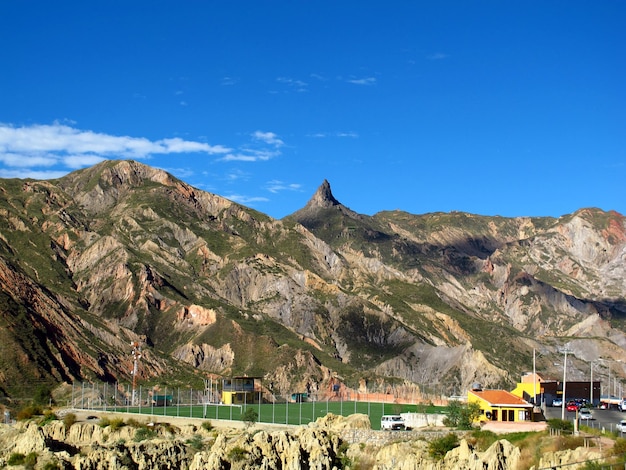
[{"x": 512, "y": 108}]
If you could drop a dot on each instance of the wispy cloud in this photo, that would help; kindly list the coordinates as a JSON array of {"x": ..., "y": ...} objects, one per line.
[
  {"x": 276, "y": 186},
  {"x": 59, "y": 145},
  {"x": 322, "y": 135},
  {"x": 229, "y": 81},
  {"x": 362, "y": 81},
  {"x": 60, "y": 140},
  {"x": 297, "y": 85},
  {"x": 241, "y": 199},
  {"x": 437, "y": 56},
  {"x": 268, "y": 137},
  {"x": 237, "y": 175}
]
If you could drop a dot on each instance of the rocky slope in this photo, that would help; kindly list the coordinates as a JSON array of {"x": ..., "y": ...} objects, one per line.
[
  {"x": 122, "y": 253},
  {"x": 330, "y": 443}
]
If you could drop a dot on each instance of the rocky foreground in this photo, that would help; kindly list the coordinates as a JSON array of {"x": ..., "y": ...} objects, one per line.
[{"x": 331, "y": 443}]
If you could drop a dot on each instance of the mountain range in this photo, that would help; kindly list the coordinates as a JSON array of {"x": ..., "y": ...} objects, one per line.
[{"x": 121, "y": 253}]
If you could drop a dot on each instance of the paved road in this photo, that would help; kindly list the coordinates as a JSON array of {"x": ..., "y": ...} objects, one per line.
[{"x": 606, "y": 419}]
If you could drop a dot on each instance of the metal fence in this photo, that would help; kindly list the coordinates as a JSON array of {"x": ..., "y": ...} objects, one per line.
[{"x": 206, "y": 403}]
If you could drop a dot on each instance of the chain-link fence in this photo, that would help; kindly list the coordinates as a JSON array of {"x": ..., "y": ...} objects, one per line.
[{"x": 208, "y": 403}]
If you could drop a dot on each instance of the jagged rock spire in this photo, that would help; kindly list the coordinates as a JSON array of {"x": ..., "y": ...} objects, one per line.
[{"x": 323, "y": 197}]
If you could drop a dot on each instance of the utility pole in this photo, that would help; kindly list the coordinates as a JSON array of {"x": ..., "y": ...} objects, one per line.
[
  {"x": 136, "y": 356},
  {"x": 564, "y": 382}
]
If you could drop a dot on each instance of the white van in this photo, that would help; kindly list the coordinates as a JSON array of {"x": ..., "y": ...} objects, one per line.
[{"x": 392, "y": 423}]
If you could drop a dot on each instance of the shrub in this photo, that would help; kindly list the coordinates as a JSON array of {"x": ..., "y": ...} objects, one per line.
[
  {"x": 342, "y": 453},
  {"x": 47, "y": 417},
  {"x": 237, "y": 454},
  {"x": 619, "y": 448},
  {"x": 207, "y": 426},
  {"x": 16, "y": 459},
  {"x": 438, "y": 448},
  {"x": 143, "y": 433},
  {"x": 28, "y": 412},
  {"x": 195, "y": 442},
  {"x": 68, "y": 420},
  {"x": 482, "y": 439},
  {"x": 28, "y": 461},
  {"x": 43, "y": 395},
  {"x": 461, "y": 415},
  {"x": 133, "y": 423},
  {"x": 104, "y": 422},
  {"x": 116, "y": 423},
  {"x": 249, "y": 417},
  {"x": 561, "y": 424}
]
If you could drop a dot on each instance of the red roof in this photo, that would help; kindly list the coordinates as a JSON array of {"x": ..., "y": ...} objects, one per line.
[{"x": 500, "y": 398}]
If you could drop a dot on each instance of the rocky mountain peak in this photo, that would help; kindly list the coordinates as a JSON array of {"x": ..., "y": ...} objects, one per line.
[{"x": 323, "y": 197}]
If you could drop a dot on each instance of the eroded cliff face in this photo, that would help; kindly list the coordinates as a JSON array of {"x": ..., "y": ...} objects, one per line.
[
  {"x": 122, "y": 253},
  {"x": 332, "y": 442}
]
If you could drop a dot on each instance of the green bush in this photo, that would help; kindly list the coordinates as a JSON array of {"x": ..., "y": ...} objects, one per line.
[
  {"x": 43, "y": 395},
  {"x": 143, "y": 433},
  {"x": 195, "y": 442},
  {"x": 619, "y": 448},
  {"x": 117, "y": 423},
  {"x": 68, "y": 420},
  {"x": 461, "y": 415},
  {"x": 249, "y": 417},
  {"x": 561, "y": 424},
  {"x": 133, "y": 423},
  {"x": 27, "y": 461},
  {"x": 207, "y": 425},
  {"x": 28, "y": 412},
  {"x": 237, "y": 454},
  {"x": 438, "y": 448},
  {"x": 104, "y": 422},
  {"x": 16, "y": 459},
  {"x": 48, "y": 416}
]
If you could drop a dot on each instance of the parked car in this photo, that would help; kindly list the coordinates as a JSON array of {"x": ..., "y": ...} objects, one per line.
[
  {"x": 557, "y": 402},
  {"x": 585, "y": 413},
  {"x": 621, "y": 426},
  {"x": 572, "y": 406},
  {"x": 392, "y": 423}
]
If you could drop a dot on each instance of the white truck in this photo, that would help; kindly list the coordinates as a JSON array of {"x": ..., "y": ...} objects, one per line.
[{"x": 622, "y": 405}]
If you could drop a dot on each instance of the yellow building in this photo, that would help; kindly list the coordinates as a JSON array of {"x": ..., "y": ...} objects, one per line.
[
  {"x": 500, "y": 405},
  {"x": 240, "y": 390},
  {"x": 530, "y": 388}
]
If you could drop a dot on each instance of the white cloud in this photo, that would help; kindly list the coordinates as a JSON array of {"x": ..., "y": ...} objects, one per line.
[
  {"x": 36, "y": 175},
  {"x": 275, "y": 186},
  {"x": 229, "y": 81},
  {"x": 297, "y": 85},
  {"x": 363, "y": 81},
  {"x": 62, "y": 139},
  {"x": 241, "y": 199},
  {"x": 59, "y": 144},
  {"x": 268, "y": 137},
  {"x": 253, "y": 156},
  {"x": 437, "y": 56},
  {"x": 26, "y": 161},
  {"x": 80, "y": 161},
  {"x": 322, "y": 135}
]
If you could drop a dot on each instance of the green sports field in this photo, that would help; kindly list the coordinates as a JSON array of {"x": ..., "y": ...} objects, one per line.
[{"x": 280, "y": 413}]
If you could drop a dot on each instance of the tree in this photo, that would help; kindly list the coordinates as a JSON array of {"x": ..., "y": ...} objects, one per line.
[
  {"x": 461, "y": 415},
  {"x": 249, "y": 417},
  {"x": 43, "y": 395}
]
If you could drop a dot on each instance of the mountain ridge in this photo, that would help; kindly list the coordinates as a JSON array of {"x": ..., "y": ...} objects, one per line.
[{"x": 121, "y": 252}]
